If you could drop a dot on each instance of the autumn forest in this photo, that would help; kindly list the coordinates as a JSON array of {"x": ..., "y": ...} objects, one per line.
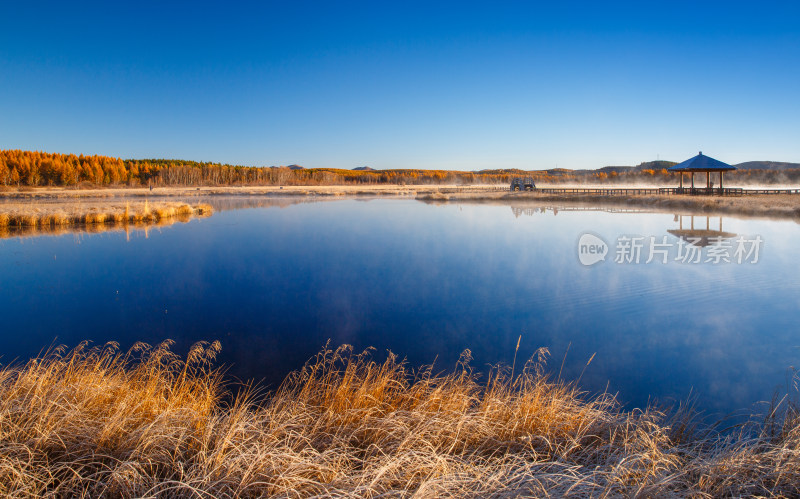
[{"x": 33, "y": 168}]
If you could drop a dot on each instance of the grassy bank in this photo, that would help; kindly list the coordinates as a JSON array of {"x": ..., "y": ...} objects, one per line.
[
  {"x": 97, "y": 422},
  {"x": 62, "y": 193},
  {"x": 764, "y": 205},
  {"x": 773, "y": 206},
  {"x": 45, "y": 217}
]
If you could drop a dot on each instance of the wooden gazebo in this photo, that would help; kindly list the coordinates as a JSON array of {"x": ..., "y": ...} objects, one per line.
[{"x": 701, "y": 164}]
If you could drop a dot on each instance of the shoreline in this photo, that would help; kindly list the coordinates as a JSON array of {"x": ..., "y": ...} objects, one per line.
[
  {"x": 782, "y": 206},
  {"x": 38, "y": 193}
]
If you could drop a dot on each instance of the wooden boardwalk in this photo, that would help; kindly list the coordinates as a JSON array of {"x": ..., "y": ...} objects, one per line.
[
  {"x": 599, "y": 191},
  {"x": 772, "y": 191},
  {"x": 697, "y": 191},
  {"x": 704, "y": 191}
]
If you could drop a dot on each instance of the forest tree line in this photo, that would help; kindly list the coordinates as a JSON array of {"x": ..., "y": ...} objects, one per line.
[{"x": 33, "y": 168}]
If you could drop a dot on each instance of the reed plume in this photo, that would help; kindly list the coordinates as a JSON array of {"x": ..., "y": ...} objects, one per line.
[
  {"x": 97, "y": 422},
  {"x": 23, "y": 217}
]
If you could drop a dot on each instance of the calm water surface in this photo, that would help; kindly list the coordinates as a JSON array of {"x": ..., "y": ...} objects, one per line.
[{"x": 275, "y": 283}]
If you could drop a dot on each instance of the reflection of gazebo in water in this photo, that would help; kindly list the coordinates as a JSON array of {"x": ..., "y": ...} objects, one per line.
[
  {"x": 705, "y": 164},
  {"x": 699, "y": 236}
]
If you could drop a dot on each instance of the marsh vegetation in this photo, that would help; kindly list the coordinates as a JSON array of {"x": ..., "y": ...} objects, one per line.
[
  {"x": 24, "y": 218},
  {"x": 97, "y": 422}
]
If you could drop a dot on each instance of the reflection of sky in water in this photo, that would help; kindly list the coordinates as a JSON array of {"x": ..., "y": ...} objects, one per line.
[{"x": 424, "y": 281}]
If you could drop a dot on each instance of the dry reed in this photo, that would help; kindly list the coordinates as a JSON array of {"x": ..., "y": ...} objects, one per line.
[
  {"x": 203, "y": 209},
  {"x": 25, "y": 216},
  {"x": 97, "y": 422}
]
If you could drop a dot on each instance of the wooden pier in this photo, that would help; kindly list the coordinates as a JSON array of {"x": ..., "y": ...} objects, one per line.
[
  {"x": 599, "y": 191},
  {"x": 704, "y": 191},
  {"x": 696, "y": 191}
]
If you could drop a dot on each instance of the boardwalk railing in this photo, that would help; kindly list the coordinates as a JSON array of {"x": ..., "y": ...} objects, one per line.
[
  {"x": 704, "y": 191},
  {"x": 772, "y": 191},
  {"x": 697, "y": 191},
  {"x": 599, "y": 192}
]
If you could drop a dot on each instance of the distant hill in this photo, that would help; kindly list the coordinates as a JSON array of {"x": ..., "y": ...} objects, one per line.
[
  {"x": 767, "y": 165},
  {"x": 647, "y": 165},
  {"x": 658, "y": 165},
  {"x": 364, "y": 169},
  {"x": 296, "y": 167},
  {"x": 655, "y": 165},
  {"x": 503, "y": 171},
  {"x": 609, "y": 169}
]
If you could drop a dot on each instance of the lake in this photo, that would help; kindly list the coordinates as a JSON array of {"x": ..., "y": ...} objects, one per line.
[{"x": 274, "y": 280}]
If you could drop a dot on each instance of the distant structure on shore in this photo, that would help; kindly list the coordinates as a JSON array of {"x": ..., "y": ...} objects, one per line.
[{"x": 702, "y": 164}]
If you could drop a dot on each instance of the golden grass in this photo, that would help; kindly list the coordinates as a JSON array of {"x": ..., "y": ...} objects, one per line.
[
  {"x": 164, "y": 213},
  {"x": 288, "y": 190},
  {"x": 97, "y": 422},
  {"x": 24, "y": 216},
  {"x": 25, "y": 220},
  {"x": 203, "y": 209}
]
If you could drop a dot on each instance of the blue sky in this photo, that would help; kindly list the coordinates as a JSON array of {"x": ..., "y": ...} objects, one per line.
[{"x": 460, "y": 85}]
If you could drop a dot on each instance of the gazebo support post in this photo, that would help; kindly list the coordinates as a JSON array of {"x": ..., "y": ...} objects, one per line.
[{"x": 721, "y": 190}]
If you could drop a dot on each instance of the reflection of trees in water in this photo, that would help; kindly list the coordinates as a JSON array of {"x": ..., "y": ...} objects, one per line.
[
  {"x": 7, "y": 232},
  {"x": 555, "y": 209},
  {"x": 227, "y": 203},
  {"x": 218, "y": 202}
]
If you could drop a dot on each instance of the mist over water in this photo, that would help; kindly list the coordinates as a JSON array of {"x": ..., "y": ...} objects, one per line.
[{"x": 274, "y": 281}]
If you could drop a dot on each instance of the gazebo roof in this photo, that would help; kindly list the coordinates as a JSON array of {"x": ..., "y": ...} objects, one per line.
[{"x": 701, "y": 163}]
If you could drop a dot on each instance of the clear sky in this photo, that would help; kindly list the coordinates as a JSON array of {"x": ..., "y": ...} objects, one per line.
[{"x": 403, "y": 84}]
